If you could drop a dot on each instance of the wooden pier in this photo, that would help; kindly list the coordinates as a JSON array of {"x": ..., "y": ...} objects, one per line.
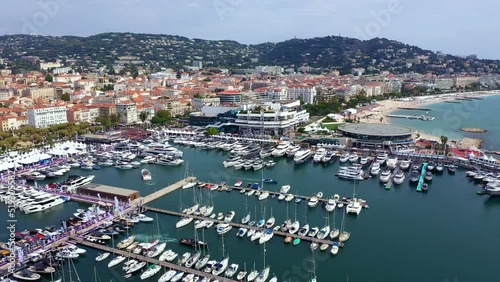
[
  {"x": 149, "y": 260},
  {"x": 414, "y": 109},
  {"x": 164, "y": 191},
  {"x": 238, "y": 225}
]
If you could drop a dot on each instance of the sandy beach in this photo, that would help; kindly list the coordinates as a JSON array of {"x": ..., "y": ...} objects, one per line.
[{"x": 378, "y": 113}]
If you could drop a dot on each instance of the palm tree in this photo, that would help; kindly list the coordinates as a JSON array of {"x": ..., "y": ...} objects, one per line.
[{"x": 444, "y": 140}]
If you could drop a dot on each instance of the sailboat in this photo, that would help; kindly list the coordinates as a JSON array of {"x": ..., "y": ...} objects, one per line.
[
  {"x": 313, "y": 272},
  {"x": 242, "y": 273},
  {"x": 253, "y": 274},
  {"x": 335, "y": 231},
  {"x": 344, "y": 235},
  {"x": 323, "y": 232},
  {"x": 186, "y": 220},
  {"x": 270, "y": 222},
  {"x": 264, "y": 274},
  {"x": 246, "y": 219},
  {"x": 116, "y": 260},
  {"x": 222, "y": 265},
  {"x": 294, "y": 227},
  {"x": 354, "y": 206},
  {"x": 189, "y": 184}
]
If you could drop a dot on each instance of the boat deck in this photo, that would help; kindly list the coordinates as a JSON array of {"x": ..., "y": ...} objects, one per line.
[{"x": 130, "y": 255}]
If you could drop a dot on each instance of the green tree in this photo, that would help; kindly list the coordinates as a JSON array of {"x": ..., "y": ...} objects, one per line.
[
  {"x": 49, "y": 78},
  {"x": 143, "y": 116},
  {"x": 115, "y": 120},
  {"x": 65, "y": 97},
  {"x": 212, "y": 131},
  {"x": 162, "y": 117}
]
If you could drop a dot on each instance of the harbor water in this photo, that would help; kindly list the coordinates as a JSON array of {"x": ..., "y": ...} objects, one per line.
[
  {"x": 450, "y": 117},
  {"x": 447, "y": 234}
]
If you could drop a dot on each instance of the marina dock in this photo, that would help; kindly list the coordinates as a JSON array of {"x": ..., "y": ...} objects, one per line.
[
  {"x": 238, "y": 225},
  {"x": 130, "y": 255},
  {"x": 164, "y": 191},
  {"x": 421, "y": 117},
  {"x": 414, "y": 109},
  {"x": 422, "y": 176}
]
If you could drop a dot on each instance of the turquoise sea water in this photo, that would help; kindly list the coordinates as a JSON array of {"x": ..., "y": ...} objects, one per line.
[
  {"x": 447, "y": 234},
  {"x": 450, "y": 117}
]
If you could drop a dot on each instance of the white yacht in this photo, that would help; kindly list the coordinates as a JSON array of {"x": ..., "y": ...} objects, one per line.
[
  {"x": 151, "y": 271},
  {"x": 385, "y": 176},
  {"x": 381, "y": 158},
  {"x": 292, "y": 150},
  {"x": 284, "y": 189},
  {"x": 313, "y": 201},
  {"x": 281, "y": 149},
  {"x": 223, "y": 228},
  {"x": 344, "y": 157},
  {"x": 392, "y": 162},
  {"x": 44, "y": 204},
  {"x": 302, "y": 156},
  {"x": 353, "y": 158},
  {"x": 399, "y": 177},
  {"x": 183, "y": 222},
  {"x": 375, "y": 169},
  {"x": 169, "y": 161},
  {"x": 404, "y": 164},
  {"x": 231, "y": 161},
  {"x": 354, "y": 206},
  {"x": 331, "y": 204},
  {"x": 75, "y": 181},
  {"x": 318, "y": 156}
]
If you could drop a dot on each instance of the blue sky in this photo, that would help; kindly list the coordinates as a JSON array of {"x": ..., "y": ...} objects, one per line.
[{"x": 457, "y": 27}]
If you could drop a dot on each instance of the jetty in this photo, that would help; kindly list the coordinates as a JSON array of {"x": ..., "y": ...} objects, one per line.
[
  {"x": 414, "y": 109},
  {"x": 164, "y": 191},
  {"x": 421, "y": 117},
  {"x": 130, "y": 255},
  {"x": 422, "y": 176},
  {"x": 238, "y": 225}
]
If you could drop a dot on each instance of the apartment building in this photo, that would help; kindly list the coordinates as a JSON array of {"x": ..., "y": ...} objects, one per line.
[
  {"x": 198, "y": 103},
  {"x": 127, "y": 113},
  {"x": 44, "y": 116},
  {"x": 37, "y": 93},
  {"x": 274, "y": 119},
  {"x": 307, "y": 93},
  {"x": 83, "y": 114},
  {"x": 8, "y": 123}
]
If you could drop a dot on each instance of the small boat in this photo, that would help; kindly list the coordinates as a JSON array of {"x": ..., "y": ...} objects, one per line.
[
  {"x": 102, "y": 256},
  {"x": 117, "y": 260},
  {"x": 425, "y": 187},
  {"x": 241, "y": 275},
  {"x": 296, "y": 241},
  {"x": 324, "y": 247},
  {"x": 167, "y": 276},
  {"x": 238, "y": 183},
  {"x": 151, "y": 271},
  {"x": 27, "y": 275},
  {"x": 269, "y": 181},
  {"x": 146, "y": 175}
]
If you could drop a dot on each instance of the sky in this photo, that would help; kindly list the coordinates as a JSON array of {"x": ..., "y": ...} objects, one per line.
[{"x": 457, "y": 27}]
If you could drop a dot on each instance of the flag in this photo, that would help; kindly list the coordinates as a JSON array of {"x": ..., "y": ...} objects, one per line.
[
  {"x": 89, "y": 215},
  {"x": 20, "y": 256},
  {"x": 99, "y": 196},
  {"x": 129, "y": 201}
]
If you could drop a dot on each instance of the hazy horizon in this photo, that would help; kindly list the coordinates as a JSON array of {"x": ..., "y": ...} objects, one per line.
[{"x": 453, "y": 27}]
